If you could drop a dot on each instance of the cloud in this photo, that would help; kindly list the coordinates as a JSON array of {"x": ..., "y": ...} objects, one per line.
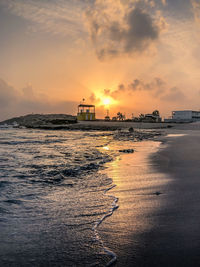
[
  {"x": 157, "y": 88},
  {"x": 115, "y": 27},
  {"x": 8, "y": 95},
  {"x": 174, "y": 95},
  {"x": 122, "y": 30},
  {"x": 94, "y": 99},
  {"x": 141, "y": 30},
  {"x": 116, "y": 93},
  {"x": 56, "y": 17},
  {"x": 20, "y": 102}
]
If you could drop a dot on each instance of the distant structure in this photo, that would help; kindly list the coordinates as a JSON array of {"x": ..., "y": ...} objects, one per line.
[
  {"x": 184, "y": 116},
  {"x": 107, "y": 117},
  {"x": 151, "y": 118},
  {"x": 86, "y": 112}
]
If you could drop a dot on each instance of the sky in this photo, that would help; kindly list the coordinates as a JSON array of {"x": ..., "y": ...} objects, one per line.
[{"x": 132, "y": 56}]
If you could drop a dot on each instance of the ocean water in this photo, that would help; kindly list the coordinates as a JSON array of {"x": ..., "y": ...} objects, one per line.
[{"x": 53, "y": 197}]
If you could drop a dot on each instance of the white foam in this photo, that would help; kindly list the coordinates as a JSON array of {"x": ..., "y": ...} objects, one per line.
[{"x": 97, "y": 223}]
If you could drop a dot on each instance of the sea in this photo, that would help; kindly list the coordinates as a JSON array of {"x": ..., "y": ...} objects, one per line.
[{"x": 54, "y": 196}]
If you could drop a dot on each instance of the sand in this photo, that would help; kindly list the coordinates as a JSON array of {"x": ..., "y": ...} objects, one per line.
[{"x": 157, "y": 222}]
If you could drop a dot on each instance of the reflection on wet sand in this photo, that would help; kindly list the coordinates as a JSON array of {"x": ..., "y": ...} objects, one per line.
[
  {"x": 141, "y": 192},
  {"x": 157, "y": 223}
]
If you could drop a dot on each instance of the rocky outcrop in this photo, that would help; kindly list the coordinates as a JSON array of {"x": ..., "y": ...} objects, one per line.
[{"x": 41, "y": 121}]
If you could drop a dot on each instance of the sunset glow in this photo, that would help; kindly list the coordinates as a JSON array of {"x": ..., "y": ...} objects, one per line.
[
  {"x": 62, "y": 50},
  {"x": 106, "y": 101},
  {"x": 100, "y": 133}
]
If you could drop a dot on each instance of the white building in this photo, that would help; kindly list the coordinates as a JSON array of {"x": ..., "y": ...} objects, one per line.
[{"x": 185, "y": 116}]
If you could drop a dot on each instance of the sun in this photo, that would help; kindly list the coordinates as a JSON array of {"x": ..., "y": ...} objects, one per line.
[{"x": 106, "y": 101}]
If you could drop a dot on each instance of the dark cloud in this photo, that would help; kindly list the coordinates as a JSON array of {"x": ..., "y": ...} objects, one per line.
[
  {"x": 15, "y": 103},
  {"x": 141, "y": 30},
  {"x": 157, "y": 88},
  {"x": 136, "y": 85},
  {"x": 156, "y": 85},
  {"x": 134, "y": 33},
  {"x": 115, "y": 93}
]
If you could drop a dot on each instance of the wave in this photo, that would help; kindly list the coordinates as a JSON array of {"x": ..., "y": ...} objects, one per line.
[
  {"x": 97, "y": 223},
  {"x": 11, "y": 143},
  {"x": 39, "y": 171},
  {"x": 55, "y": 174}
]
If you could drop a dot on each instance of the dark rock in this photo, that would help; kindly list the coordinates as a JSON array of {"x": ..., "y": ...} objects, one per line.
[
  {"x": 157, "y": 193},
  {"x": 127, "y": 151}
]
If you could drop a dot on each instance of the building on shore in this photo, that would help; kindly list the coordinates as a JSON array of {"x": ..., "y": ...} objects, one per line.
[
  {"x": 86, "y": 112},
  {"x": 184, "y": 116},
  {"x": 152, "y": 118}
]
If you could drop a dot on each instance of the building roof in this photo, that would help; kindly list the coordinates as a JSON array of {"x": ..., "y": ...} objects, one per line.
[
  {"x": 84, "y": 105},
  {"x": 186, "y": 110}
]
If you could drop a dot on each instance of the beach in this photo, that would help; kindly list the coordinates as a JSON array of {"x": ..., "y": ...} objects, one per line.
[
  {"x": 158, "y": 187},
  {"x": 96, "y": 198},
  {"x": 99, "y": 133}
]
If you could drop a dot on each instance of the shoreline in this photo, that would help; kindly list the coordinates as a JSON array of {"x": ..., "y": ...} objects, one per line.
[
  {"x": 69, "y": 122},
  {"x": 157, "y": 221}
]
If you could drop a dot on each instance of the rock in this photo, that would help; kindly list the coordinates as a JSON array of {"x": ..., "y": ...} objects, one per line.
[
  {"x": 42, "y": 121},
  {"x": 157, "y": 193},
  {"x": 127, "y": 151}
]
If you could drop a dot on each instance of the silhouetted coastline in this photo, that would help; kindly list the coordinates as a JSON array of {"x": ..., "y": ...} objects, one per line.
[{"x": 69, "y": 122}]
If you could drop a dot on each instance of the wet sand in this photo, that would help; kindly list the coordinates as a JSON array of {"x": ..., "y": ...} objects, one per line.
[{"x": 149, "y": 228}]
